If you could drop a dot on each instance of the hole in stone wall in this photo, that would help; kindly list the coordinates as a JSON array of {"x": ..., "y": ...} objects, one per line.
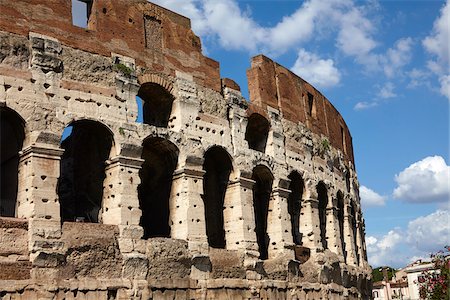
[
  {"x": 160, "y": 160},
  {"x": 347, "y": 179},
  {"x": 323, "y": 202},
  {"x": 87, "y": 146},
  {"x": 12, "y": 134},
  {"x": 257, "y": 132},
  {"x": 215, "y": 181},
  {"x": 262, "y": 191},
  {"x": 311, "y": 105},
  {"x": 81, "y": 12},
  {"x": 294, "y": 205},
  {"x": 340, "y": 207},
  {"x": 156, "y": 104}
]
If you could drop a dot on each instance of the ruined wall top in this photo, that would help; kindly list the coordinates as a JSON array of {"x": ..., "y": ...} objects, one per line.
[
  {"x": 158, "y": 39},
  {"x": 271, "y": 84}
]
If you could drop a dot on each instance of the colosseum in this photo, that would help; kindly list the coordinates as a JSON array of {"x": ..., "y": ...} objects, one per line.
[{"x": 131, "y": 170}]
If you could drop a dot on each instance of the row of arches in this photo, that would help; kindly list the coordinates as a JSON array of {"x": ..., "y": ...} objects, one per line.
[
  {"x": 88, "y": 145},
  {"x": 155, "y": 108}
]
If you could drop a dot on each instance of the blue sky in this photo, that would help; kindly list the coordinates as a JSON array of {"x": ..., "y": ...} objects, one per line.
[{"x": 385, "y": 66}]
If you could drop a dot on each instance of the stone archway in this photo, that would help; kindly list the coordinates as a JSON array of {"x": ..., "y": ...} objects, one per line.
[
  {"x": 80, "y": 186},
  {"x": 12, "y": 134}
]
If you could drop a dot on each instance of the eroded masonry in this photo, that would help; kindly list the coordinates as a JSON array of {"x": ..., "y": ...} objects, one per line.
[{"x": 131, "y": 170}]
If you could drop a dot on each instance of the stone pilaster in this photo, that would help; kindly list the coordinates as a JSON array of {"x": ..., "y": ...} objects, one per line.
[
  {"x": 239, "y": 217},
  {"x": 278, "y": 224},
  {"x": 187, "y": 211},
  {"x": 348, "y": 237},
  {"x": 333, "y": 233},
  {"x": 120, "y": 197},
  {"x": 309, "y": 221},
  {"x": 39, "y": 170},
  {"x": 38, "y": 176}
]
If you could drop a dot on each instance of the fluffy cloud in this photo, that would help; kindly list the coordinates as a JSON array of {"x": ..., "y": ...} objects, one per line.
[
  {"x": 370, "y": 198},
  {"x": 397, "y": 57},
  {"x": 437, "y": 44},
  {"x": 384, "y": 251},
  {"x": 430, "y": 232},
  {"x": 353, "y": 29},
  {"x": 424, "y": 235},
  {"x": 387, "y": 91},
  {"x": 363, "y": 105},
  {"x": 319, "y": 72},
  {"x": 424, "y": 181}
]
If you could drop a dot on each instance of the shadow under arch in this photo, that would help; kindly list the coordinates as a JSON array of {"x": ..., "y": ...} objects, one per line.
[
  {"x": 262, "y": 191},
  {"x": 340, "y": 215},
  {"x": 160, "y": 161},
  {"x": 322, "y": 196},
  {"x": 12, "y": 135},
  {"x": 296, "y": 187},
  {"x": 87, "y": 146},
  {"x": 218, "y": 168}
]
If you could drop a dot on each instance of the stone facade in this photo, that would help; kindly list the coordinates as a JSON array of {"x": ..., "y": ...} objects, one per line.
[{"x": 191, "y": 193}]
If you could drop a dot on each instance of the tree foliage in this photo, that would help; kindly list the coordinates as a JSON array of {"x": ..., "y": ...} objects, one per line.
[{"x": 434, "y": 283}]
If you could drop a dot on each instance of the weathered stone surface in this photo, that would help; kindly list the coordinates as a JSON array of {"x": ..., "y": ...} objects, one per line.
[{"x": 194, "y": 192}]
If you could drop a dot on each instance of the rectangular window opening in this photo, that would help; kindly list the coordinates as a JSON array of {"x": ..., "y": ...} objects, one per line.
[
  {"x": 81, "y": 12},
  {"x": 311, "y": 108}
]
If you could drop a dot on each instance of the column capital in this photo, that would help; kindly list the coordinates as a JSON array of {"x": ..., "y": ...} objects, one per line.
[
  {"x": 130, "y": 162},
  {"x": 198, "y": 174},
  {"x": 42, "y": 150}
]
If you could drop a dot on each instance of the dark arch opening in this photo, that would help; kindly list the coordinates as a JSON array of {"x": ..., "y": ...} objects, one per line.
[
  {"x": 322, "y": 196},
  {"x": 262, "y": 191},
  {"x": 80, "y": 185},
  {"x": 294, "y": 205},
  {"x": 157, "y": 104},
  {"x": 160, "y": 160},
  {"x": 355, "y": 233},
  {"x": 340, "y": 207},
  {"x": 257, "y": 132},
  {"x": 347, "y": 179},
  {"x": 12, "y": 134},
  {"x": 215, "y": 181}
]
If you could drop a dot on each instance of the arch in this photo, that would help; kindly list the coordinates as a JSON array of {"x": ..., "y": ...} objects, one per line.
[
  {"x": 257, "y": 132},
  {"x": 156, "y": 104},
  {"x": 87, "y": 146},
  {"x": 294, "y": 205},
  {"x": 12, "y": 135},
  {"x": 218, "y": 167},
  {"x": 354, "y": 229},
  {"x": 340, "y": 213},
  {"x": 322, "y": 196},
  {"x": 160, "y": 160},
  {"x": 262, "y": 191}
]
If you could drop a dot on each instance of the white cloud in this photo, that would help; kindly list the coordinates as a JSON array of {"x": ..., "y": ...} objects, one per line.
[
  {"x": 384, "y": 251},
  {"x": 354, "y": 37},
  {"x": 444, "y": 80},
  {"x": 430, "y": 232},
  {"x": 423, "y": 236},
  {"x": 317, "y": 71},
  {"x": 370, "y": 198},
  {"x": 365, "y": 105},
  {"x": 397, "y": 57},
  {"x": 387, "y": 91},
  {"x": 425, "y": 181},
  {"x": 437, "y": 44}
]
